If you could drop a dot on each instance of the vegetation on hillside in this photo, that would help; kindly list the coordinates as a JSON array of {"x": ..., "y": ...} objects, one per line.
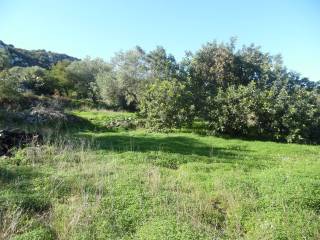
[
  {"x": 232, "y": 91},
  {"x": 145, "y": 147}
]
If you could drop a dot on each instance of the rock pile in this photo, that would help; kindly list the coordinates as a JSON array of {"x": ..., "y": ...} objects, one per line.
[
  {"x": 40, "y": 115},
  {"x": 128, "y": 123}
]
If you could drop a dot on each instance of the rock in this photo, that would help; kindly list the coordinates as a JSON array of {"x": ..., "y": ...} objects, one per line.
[
  {"x": 27, "y": 58},
  {"x": 40, "y": 115},
  {"x": 128, "y": 123},
  {"x": 15, "y": 138}
]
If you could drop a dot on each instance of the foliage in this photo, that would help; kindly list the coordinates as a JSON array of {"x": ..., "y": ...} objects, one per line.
[
  {"x": 59, "y": 75},
  {"x": 131, "y": 72},
  {"x": 162, "y": 66},
  {"x": 231, "y": 111},
  {"x": 302, "y": 117},
  {"x": 31, "y": 79},
  {"x": 289, "y": 115},
  {"x": 238, "y": 91},
  {"x": 35, "y": 79},
  {"x": 9, "y": 87},
  {"x": 123, "y": 85},
  {"x": 275, "y": 113},
  {"x": 83, "y": 75},
  {"x": 166, "y": 104}
]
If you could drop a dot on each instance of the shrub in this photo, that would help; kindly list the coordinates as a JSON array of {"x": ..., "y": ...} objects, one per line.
[
  {"x": 291, "y": 116},
  {"x": 8, "y": 86},
  {"x": 302, "y": 117},
  {"x": 166, "y": 104},
  {"x": 231, "y": 111}
]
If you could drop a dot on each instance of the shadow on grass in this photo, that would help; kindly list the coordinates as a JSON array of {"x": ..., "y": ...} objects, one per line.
[
  {"x": 19, "y": 192},
  {"x": 10, "y": 175},
  {"x": 201, "y": 128},
  {"x": 173, "y": 151},
  {"x": 74, "y": 124},
  {"x": 179, "y": 144},
  {"x": 184, "y": 149}
]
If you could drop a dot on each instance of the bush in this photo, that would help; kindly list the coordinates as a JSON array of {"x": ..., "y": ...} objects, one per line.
[
  {"x": 291, "y": 116},
  {"x": 303, "y": 117},
  {"x": 166, "y": 104},
  {"x": 275, "y": 113},
  {"x": 8, "y": 86},
  {"x": 231, "y": 111}
]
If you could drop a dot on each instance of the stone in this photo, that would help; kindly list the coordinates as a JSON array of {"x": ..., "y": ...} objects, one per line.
[{"x": 44, "y": 115}]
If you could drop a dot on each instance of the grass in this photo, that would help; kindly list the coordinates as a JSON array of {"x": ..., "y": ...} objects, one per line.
[{"x": 132, "y": 184}]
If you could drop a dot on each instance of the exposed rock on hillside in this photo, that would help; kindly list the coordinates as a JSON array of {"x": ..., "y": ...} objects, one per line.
[
  {"x": 43, "y": 115},
  {"x": 27, "y": 58}
]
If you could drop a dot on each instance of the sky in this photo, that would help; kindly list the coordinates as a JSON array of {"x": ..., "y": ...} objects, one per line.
[{"x": 99, "y": 28}]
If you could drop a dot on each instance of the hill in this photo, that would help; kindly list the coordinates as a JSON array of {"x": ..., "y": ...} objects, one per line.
[{"x": 13, "y": 56}]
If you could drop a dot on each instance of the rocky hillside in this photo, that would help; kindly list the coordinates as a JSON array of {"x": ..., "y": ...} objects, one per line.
[{"x": 27, "y": 58}]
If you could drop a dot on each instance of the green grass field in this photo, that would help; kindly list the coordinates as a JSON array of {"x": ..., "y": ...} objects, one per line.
[{"x": 133, "y": 184}]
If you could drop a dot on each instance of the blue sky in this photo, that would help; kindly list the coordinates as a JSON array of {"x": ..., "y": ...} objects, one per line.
[{"x": 100, "y": 28}]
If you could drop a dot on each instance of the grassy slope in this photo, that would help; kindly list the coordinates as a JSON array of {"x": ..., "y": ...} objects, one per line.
[{"x": 139, "y": 185}]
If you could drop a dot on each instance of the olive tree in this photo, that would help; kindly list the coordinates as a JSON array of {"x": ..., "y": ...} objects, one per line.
[
  {"x": 83, "y": 76},
  {"x": 125, "y": 82}
]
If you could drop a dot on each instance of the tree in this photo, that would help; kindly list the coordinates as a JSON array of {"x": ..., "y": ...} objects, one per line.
[
  {"x": 209, "y": 69},
  {"x": 251, "y": 64},
  {"x": 161, "y": 65},
  {"x": 59, "y": 74},
  {"x": 83, "y": 75},
  {"x": 110, "y": 89},
  {"x": 131, "y": 72},
  {"x": 32, "y": 79},
  {"x": 302, "y": 117},
  {"x": 125, "y": 82}
]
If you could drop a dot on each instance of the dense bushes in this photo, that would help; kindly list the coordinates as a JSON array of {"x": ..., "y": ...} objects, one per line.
[
  {"x": 238, "y": 92},
  {"x": 292, "y": 115},
  {"x": 274, "y": 113}
]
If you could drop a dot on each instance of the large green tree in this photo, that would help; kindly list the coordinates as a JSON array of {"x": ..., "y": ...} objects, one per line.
[
  {"x": 59, "y": 74},
  {"x": 161, "y": 66},
  {"x": 83, "y": 75},
  {"x": 124, "y": 84}
]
